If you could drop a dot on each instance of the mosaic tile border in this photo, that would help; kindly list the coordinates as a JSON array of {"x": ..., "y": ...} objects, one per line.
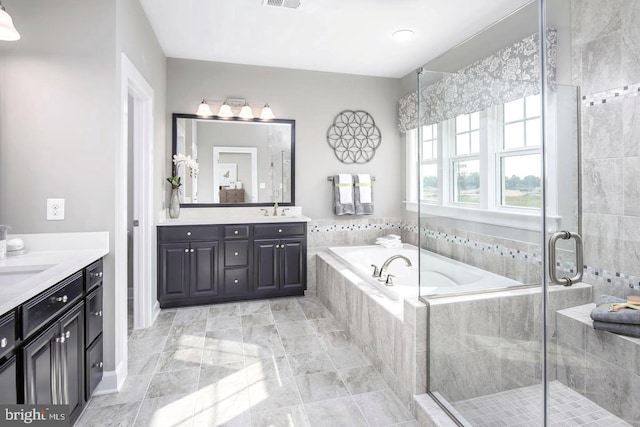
[
  {"x": 353, "y": 227},
  {"x": 612, "y": 95}
]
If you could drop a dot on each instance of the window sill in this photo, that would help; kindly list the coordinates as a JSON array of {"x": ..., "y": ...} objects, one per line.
[{"x": 519, "y": 220}]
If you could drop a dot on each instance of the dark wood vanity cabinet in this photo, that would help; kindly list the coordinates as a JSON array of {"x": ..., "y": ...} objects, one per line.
[
  {"x": 53, "y": 363},
  {"x": 47, "y": 340},
  {"x": 187, "y": 269},
  {"x": 280, "y": 258},
  {"x": 251, "y": 266}
]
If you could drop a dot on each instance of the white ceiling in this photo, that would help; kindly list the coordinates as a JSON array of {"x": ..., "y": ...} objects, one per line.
[{"x": 345, "y": 36}]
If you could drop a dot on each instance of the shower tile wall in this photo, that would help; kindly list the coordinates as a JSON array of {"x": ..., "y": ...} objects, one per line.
[
  {"x": 322, "y": 234},
  {"x": 606, "y": 65}
]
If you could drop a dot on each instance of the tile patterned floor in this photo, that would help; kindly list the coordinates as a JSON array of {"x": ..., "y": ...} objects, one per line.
[
  {"x": 283, "y": 362},
  {"x": 521, "y": 407}
]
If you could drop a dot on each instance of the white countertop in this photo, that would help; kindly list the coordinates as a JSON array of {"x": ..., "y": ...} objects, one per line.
[
  {"x": 42, "y": 266},
  {"x": 238, "y": 215}
]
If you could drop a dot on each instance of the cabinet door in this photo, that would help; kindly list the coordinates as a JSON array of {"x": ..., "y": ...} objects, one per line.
[
  {"x": 8, "y": 383},
  {"x": 292, "y": 264},
  {"x": 40, "y": 360},
  {"x": 204, "y": 269},
  {"x": 173, "y": 271},
  {"x": 72, "y": 360},
  {"x": 265, "y": 253}
]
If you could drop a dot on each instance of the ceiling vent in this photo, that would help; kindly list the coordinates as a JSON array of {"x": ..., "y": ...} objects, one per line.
[{"x": 290, "y": 4}]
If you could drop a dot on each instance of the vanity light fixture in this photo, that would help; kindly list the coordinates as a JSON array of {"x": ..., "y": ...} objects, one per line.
[
  {"x": 246, "y": 112},
  {"x": 403, "y": 35},
  {"x": 233, "y": 107},
  {"x": 8, "y": 31},
  {"x": 267, "y": 113},
  {"x": 204, "y": 110}
]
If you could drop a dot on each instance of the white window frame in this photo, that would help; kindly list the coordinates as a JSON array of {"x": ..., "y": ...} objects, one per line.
[{"x": 489, "y": 210}]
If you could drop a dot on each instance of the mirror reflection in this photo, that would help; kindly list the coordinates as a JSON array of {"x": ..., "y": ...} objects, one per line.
[{"x": 241, "y": 162}]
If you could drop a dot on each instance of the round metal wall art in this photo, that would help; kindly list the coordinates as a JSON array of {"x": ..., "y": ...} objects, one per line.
[{"x": 354, "y": 137}]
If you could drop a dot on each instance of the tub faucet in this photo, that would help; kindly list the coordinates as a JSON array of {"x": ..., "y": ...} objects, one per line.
[{"x": 385, "y": 265}]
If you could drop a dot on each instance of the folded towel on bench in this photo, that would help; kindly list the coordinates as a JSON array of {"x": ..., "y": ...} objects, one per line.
[
  {"x": 624, "y": 316},
  {"x": 618, "y": 328}
]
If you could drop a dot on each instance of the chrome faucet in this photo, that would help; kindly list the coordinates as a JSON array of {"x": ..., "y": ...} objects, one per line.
[
  {"x": 275, "y": 209},
  {"x": 385, "y": 265}
]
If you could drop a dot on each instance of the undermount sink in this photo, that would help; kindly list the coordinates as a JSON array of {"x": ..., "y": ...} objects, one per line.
[{"x": 10, "y": 275}]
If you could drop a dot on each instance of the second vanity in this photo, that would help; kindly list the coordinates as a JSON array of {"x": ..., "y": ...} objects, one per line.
[
  {"x": 235, "y": 255},
  {"x": 51, "y": 346}
]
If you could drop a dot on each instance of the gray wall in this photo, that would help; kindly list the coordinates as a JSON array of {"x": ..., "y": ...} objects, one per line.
[
  {"x": 59, "y": 117},
  {"x": 312, "y": 99}
]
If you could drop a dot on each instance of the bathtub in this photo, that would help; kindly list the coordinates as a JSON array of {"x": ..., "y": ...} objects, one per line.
[{"x": 440, "y": 275}]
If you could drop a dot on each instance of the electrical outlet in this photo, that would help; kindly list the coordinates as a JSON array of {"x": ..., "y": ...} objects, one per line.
[{"x": 55, "y": 209}]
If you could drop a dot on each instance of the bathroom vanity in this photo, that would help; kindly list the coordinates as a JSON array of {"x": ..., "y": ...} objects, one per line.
[
  {"x": 226, "y": 261},
  {"x": 51, "y": 328}
]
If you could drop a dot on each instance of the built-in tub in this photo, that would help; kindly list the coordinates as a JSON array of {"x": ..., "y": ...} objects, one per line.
[{"x": 440, "y": 275}]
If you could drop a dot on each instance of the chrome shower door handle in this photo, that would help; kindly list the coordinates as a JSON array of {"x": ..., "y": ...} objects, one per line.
[{"x": 553, "y": 275}]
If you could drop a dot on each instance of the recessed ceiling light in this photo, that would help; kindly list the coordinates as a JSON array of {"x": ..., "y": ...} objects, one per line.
[{"x": 403, "y": 35}]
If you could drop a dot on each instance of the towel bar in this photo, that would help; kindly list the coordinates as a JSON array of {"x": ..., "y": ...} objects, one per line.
[{"x": 330, "y": 178}]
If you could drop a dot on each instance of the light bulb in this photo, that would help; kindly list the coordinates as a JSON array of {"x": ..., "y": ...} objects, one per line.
[
  {"x": 246, "y": 112},
  {"x": 8, "y": 31},
  {"x": 225, "y": 111},
  {"x": 267, "y": 113},
  {"x": 204, "y": 109}
]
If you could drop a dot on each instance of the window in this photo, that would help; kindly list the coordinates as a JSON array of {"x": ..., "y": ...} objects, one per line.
[
  {"x": 465, "y": 163},
  {"x": 429, "y": 164},
  {"x": 519, "y": 155},
  {"x": 486, "y": 161}
]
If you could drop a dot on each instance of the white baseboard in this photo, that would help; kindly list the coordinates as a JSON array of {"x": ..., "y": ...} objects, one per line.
[
  {"x": 112, "y": 381},
  {"x": 154, "y": 312}
]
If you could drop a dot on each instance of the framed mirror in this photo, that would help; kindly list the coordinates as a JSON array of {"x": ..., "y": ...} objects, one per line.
[{"x": 241, "y": 162}]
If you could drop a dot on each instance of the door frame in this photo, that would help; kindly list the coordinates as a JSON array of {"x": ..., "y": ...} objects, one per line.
[
  {"x": 133, "y": 84},
  {"x": 253, "y": 152}
]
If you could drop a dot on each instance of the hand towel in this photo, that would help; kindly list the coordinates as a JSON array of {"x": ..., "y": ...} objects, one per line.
[
  {"x": 343, "y": 194},
  {"x": 363, "y": 194},
  {"x": 624, "y": 316},
  {"x": 618, "y": 328}
]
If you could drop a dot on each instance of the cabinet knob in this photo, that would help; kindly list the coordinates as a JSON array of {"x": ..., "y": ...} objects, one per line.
[
  {"x": 60, "y": 339},
  {"x": 67, "y": 334},
  {"x": 97, "y": 313},
  {"x": 191, "y": 250},
  {"x": 97, "y": 365},
  {"x": 3, "y": 343},
  {"x": 235, "y": 232},
  {"x": 235, "y": 253},
  {"x": 99, "y": 274},
  {"x": 62, "y": 299},
  {"x": 188, "y": 233},
  {"x": 235, "y": 281},
  {"x": 279, "y": 230},
  {"x": 186, "y": 250}
]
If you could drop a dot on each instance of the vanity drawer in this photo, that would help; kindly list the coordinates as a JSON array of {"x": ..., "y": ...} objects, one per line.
[
  {"x": 94, "y": 366},
  {"x": 93, "y": 275},
  {"x": 236, "y": 232},
  {"x": 7, "y": 333},
  {"x": 236, "y": 281},
  {"x": 93, "y": 315},
  {"x": 39, "y": 310},
  {"x": 236, "y": 253},
  {"x": 277, "y": 230},
  {"x": 188, "y": 233}
]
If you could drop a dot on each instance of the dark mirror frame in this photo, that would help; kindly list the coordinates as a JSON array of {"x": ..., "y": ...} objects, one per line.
[{"x": 174, "y": 145}]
